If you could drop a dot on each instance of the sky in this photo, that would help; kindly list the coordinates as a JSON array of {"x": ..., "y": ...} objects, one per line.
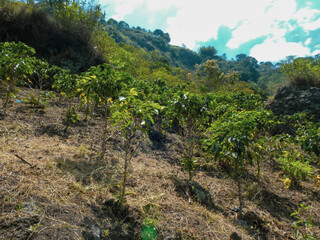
[{"x": 268, "y": 30}]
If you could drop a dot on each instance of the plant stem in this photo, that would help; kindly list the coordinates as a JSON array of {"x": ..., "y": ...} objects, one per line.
[
  {"x": 104, "y": 135},
  {"x": 125, "y": 172},
  {"x": 240, "y": 197}
]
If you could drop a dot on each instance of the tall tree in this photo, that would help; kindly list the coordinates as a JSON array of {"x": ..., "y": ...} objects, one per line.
[
  {"x": 207, "y": 53},
  {"x": 248, "y": 68}
]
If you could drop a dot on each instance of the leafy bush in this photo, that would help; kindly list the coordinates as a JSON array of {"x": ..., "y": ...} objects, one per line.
[
  {"x": 303, "y": 71},
  {"x": 71, "y": 118},
  {"x": 102, "y": 85},
  {"x": 307, "y": 224},
  {"x": 16, "y": 62},
  {"x": 60, "y": 31},
  {"x": 309, "y": 138},
  {"x": 307, "y": 133},
  {"x": 231, "y": 138},
  {"x": 132, "y": 116},
  {"x": 295, "y": 166},
  {"x": 190, "y": 111},
  {"x": 39, "y": 99}
]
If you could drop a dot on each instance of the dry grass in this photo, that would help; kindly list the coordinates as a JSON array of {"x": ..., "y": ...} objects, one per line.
[{"x": 66, "y": 192}]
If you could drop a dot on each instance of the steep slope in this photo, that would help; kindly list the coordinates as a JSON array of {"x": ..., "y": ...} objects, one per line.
[
  {"x": 62, "y": 44},
  {"x": 53, "y": 186},
  {"x": 153, "y": 41}
]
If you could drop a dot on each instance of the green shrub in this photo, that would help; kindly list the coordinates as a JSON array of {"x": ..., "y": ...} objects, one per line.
[
  {"x": 303, "y": 223},
  {"x": 39, "y": 99},
  {"x": 133, "y": 117},
  {"x": 231, "y": 139},
  {"x": 16, "y": 63},
  {"x": 294, "y": 165},
  {"x": 302, "y": 71}
]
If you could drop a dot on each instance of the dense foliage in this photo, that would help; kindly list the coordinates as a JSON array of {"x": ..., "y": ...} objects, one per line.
[{"x": 302, "y": 71}]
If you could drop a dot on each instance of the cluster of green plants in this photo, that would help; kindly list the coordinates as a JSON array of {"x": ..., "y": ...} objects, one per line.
[
  {"x": 303, "y": 226},
  {"x": 302, "y": 71},
  {"x": 137, "y": 91},
  {"x": 232, "y": 127},
  {"x": 16, "y": 62},
  {"x": 213, "y": 108},
  {"x": 295, "y": 166}
]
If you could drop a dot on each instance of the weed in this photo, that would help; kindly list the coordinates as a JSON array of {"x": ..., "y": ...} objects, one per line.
[
  {"x": 306, "y": 223},
  {"x": 149, "y": 230}
]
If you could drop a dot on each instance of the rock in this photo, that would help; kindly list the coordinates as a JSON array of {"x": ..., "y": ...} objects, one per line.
[
  {"x": 242, "y": 223},
  {"x": 202, "y": 195},
  {"x": 96, "y": 231},
  {"x": 29, "y": 207},
  {"x": 292, "y": 99},
  {"x": 198, "y": 193},
  {"x": 235, "y": 236},
  {"x": 92, "y": 233}
]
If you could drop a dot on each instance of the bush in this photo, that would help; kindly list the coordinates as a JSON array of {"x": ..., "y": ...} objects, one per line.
[
  {"x": 303, "y": 71},
  {"x": 16, "y": 62},
  {"x": 294, "y": 165},
  {"x": 63, "y": 40}
]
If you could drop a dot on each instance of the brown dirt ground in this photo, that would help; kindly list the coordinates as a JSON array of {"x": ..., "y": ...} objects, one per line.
[{"x": 64, "y": 192}]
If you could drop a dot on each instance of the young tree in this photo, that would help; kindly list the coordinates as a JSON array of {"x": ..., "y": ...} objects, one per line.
[
  {"x": 133, "y": 117},
  {"x": 231, "y": 138},
  {"x": 103, "y": 85},
  {"x": 16, "y": 63},
  {"x": 207, "y": 53},
  {"x": 66, "y": 84},
  {"x": 211, "y": 78},
  {"x": 190, "y": 110}
]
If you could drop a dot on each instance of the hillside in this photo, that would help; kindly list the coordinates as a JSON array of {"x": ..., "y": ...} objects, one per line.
[
  {"x": 76, "y": 39},
  {"x": 126, "y": 140},
  {"x": 60, "y": 190},
  {"x": 153, "y": 41},
  {"x": 58, "y": 41}
]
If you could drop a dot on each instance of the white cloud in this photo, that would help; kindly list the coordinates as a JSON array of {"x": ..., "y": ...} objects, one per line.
[
  {"x": 163, "y": 4},
  {"x": 122, "y": 7},
  {"x": 250, "y": 19},
  {"x": 126, "y": 7},
  {"x": 199, "y": 21},
  {"x": 316, "y": 51},
  {"x": 273, "y": 49},
  {"x": 307, "y": 42},
  {"x": 264, "y": 22},
  {"x": 281, "y": 10},
  {"x": 308, "y": 19}
]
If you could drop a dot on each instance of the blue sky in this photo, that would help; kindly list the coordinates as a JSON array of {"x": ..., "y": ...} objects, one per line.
[{"x": 268, "y": 30}]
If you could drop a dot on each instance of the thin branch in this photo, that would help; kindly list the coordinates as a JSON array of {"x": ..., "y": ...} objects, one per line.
[{"x": 24, "y": 161}]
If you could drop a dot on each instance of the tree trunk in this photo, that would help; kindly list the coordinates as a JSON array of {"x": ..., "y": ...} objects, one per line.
[
  {"x": 240, "y": 198},
  {"x": 5, "y": 104},
  {"x": 259, "y": 170},
  {"x": 125, "y": 172},
  {"x": 104, "y": 134},
  {"x": 104, "y": 142}
]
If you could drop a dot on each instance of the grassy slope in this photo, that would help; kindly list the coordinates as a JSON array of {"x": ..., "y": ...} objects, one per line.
[{"x": 67, "y": 193}]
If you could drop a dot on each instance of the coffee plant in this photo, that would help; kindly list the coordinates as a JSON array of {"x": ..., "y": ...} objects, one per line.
[
  {"x": 133, "y": 117},
  {"x": 16, "y": 63}
]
